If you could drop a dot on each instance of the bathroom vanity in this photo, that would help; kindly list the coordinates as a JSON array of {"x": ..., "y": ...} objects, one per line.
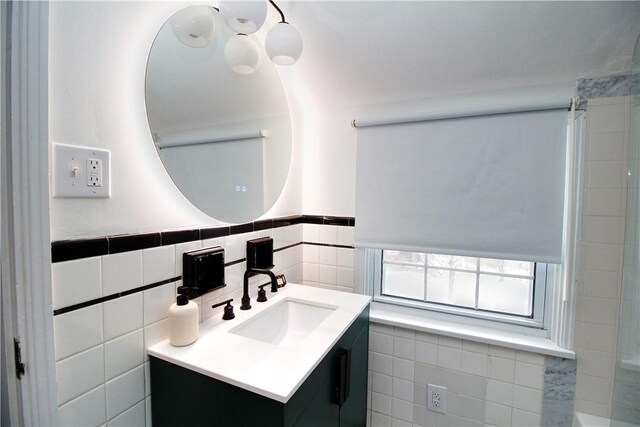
[{"x": 299, "y": 359}]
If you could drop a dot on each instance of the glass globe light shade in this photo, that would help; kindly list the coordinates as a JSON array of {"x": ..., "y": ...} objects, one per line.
[
  {"x": 244, "y": 16},
  {"x": 194, "y": 26},
  {"x": 283, "y": 44},
  {"x": 242, "y": 54}
]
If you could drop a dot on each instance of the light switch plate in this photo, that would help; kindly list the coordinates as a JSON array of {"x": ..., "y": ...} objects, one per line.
[{"x": 81, "y": 171}]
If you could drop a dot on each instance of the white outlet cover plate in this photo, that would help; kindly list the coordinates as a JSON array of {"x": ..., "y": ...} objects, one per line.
[
  {"x": 441, "y": 407},
  {"x": 67, "y": 183}
]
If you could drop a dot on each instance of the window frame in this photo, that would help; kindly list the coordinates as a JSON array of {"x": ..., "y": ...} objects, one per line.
[
  {"x": 536, "y": 324},
  {"x": 560, "y": 301}
]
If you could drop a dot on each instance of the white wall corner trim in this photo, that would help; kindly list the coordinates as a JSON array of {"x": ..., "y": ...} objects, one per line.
[
  {"x": 25, "y": 229},
  {"x": 563, "y": 297}
]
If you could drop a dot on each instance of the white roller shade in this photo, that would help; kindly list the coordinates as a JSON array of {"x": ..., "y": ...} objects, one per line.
[{"x": 489, "y": 186}]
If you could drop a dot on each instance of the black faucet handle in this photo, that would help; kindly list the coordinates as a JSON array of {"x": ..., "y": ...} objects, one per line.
[
  {"x": 282, "y": 281},
  {"x": 262, "y": 294},
  {"x": 228, "y": 309}
]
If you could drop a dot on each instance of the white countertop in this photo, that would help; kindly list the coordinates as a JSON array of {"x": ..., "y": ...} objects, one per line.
[{"x": 274, "y": 371}]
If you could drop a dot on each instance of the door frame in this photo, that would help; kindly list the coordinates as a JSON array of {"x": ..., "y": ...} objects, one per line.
[{"x": 24, "y": 215}]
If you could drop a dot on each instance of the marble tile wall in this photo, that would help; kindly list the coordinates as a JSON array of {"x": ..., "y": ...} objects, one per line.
[
  {"x": 559, "y": 392},
  {"x": 607, "y": 87}
]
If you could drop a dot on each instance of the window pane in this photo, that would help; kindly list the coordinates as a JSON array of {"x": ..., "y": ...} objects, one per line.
[
  {"x": 399, "y": 256},
  {"x": 451, "y": 287},
  {"x": 506, "y": 294},
  {"x": 449, "y": 261},
  {"x": 403, "y": 281},
  {"x": 503, "y": 266}
]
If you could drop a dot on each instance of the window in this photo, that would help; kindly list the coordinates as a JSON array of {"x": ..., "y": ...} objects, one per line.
[
  {"x": 494, "y": 289},
  {"x": 446, "y": 205}
]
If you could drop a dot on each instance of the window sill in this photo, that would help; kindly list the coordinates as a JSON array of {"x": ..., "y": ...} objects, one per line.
[{"x": 416, "y": 319}]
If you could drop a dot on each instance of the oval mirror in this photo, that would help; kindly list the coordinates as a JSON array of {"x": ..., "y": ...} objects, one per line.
[{"x": 223, "y": 137}]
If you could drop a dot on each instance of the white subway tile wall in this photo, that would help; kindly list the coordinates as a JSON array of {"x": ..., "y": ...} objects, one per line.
[
  {"x": 80, "y": 373},
  {"x": 125, "y": 391},
  {"x": 87, "y": 410},
  {"x": 76, "y": 281},
  {"x": 123, "y": 354},
  {"x": 328, "y": 267},
  {"x": 503, "y": 387},
  {"x": 157, "y": 264},
  {"x": 121, "y": 272},
  {"x": 132, "y": 417},
  {"x": 123, "y": 315},
  {"x": 101, "y": 360},
  {"x": 77, "y": 331},
  {"x": 601, "y": 258}
]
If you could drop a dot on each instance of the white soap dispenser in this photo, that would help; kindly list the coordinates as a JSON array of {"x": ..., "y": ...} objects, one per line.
[{"x": 184, "y": 319}]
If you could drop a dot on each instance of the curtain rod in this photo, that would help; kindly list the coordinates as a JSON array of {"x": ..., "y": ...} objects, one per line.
[
  {"x": 262, "y": 133},
  {"x": 471, "y": 112}
]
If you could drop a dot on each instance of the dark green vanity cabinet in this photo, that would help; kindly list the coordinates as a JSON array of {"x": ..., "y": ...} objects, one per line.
[{"x": 334, "y": 394}]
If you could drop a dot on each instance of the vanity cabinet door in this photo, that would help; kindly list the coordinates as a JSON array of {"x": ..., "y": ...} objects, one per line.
[
  {"x": 353, "y": 411},
  {"x": 341, "y": 399},
  {"x": 322, "y": 410}
]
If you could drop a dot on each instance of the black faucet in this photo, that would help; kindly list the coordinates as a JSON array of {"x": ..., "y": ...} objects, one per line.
[{"x": 246, "y": 300}]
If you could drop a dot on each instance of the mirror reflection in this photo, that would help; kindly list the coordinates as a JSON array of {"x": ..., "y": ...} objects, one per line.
[{"x": 223, "y": 137}]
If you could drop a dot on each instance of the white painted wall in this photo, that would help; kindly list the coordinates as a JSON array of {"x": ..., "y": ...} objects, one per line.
[
  {"x": 360, "y": 54},
  {"x": 356, "y": 54},
  {"x": 98, "y": 56}
]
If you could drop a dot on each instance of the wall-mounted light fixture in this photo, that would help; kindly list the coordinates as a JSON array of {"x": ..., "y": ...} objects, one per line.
[
  {"x": 244, "y": 16},
  {"x": 195, "y": 28},
  {"x": 242, "y": 54},
  {"x": 283, "y": 42}
]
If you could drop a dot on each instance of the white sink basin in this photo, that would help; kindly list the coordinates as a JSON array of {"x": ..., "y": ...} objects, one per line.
[{"x": 286, "y": 323}]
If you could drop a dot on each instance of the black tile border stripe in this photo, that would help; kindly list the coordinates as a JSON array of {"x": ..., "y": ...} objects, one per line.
[
  {"x": 238, "y": 261},
  {"x": 264, "y": 224},
  {"x": 214, "y": 232},
  {"x": 179, "y": 236},
  {"x": 287, "y": 247},
  {"x": 345, "y": 221},
  {"x": 100, "y": 300},
  {"x": 69, "y": 250},
  {"x": 328, "y": 245},
  {"x": 285, "y": 221},
  {"x": 133, "y": 242}
]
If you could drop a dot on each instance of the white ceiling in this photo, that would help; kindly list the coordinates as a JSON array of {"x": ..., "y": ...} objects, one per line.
[{"x": 361, "y": 52}]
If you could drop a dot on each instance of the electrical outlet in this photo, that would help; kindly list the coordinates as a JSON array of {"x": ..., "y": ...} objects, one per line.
[
  {"x": 437, "y": 398},
  {"x": 80, "y": 171},
  {"x": 94, "y": 172}
]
